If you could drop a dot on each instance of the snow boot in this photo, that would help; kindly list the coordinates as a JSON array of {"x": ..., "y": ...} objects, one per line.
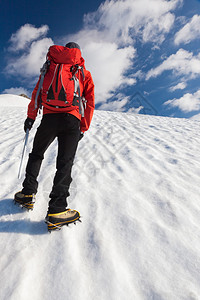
[
  {"x": 57, "y": 220},
  {"x": 26, "y": 201}
]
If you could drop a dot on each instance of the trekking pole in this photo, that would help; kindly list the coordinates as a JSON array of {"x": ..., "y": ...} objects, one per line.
[{"x": 23, "y": 152}]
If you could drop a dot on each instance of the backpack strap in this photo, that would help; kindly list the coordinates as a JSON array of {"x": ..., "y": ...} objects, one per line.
[
  {"x": 43, "y": 71},
  {"x": 81, "y": 100}
]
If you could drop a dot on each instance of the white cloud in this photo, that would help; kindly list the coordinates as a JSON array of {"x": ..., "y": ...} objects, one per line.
[
  {"x": 116, "y": 105},
  {"x": 33, "y": 46},
  {"x": 155, "y": 30},
  {"x": 16, "y": 91},
  {"x": 108, "y": 36},
  {"x": 121, "y": 20},
  {"x": 182, "y": 63},
  {"x": 187, "y": 103},
  {"x": 107, "y": 40},
  {"x": 30, "y": 62},
  {"x": 25, "y": 35},
  {"x": 107, "y": 62},
  {"x": 179, "y": 86},
  {"x": 189, "y": 32}
]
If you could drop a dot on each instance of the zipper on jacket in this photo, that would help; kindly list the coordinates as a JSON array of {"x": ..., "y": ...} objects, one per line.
[{"x": 56, "y": 89}]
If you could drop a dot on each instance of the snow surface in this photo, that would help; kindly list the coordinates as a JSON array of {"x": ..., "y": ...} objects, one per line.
[
  {"x": 7, "y": 100},
  {"x": 136, "y": 185}
]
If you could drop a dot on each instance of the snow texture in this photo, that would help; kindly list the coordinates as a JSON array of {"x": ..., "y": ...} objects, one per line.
[{"x": 136, "y": 185}]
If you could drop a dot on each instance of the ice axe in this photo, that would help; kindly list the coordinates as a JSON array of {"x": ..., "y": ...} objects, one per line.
[{"x": 23, "y": 152}]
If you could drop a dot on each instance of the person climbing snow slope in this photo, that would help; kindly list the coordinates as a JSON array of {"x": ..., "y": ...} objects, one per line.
[{"x": 66, "y": 93}]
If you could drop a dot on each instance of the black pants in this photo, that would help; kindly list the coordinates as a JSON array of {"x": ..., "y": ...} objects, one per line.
[{"x": 66, "y": 128}]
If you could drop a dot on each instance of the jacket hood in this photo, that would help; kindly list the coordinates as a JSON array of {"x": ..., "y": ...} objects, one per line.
[{"x": 64, "y": 55}]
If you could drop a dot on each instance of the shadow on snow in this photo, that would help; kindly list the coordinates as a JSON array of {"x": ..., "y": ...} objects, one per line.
[{"x": 24, "y": 225}]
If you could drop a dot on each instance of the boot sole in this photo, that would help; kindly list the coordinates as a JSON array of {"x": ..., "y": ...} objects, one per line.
[
  {"x": 58, "y": 225},
  {"x": 28, "y": 205}
]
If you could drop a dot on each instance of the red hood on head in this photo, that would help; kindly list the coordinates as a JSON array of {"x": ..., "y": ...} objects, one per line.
[{"x": 64, "y": 55}]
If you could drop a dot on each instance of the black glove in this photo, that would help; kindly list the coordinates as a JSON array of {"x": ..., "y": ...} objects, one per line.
[
  {"x": 81, "y": 135},
  {"x": 28, "y": 124}
]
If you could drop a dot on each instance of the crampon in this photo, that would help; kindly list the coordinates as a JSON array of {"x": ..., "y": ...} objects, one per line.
[
  {"x": 25, "y": 201},
  {"x": 57, "y": 221}
]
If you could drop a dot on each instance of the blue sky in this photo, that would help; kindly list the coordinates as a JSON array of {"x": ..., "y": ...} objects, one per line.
[{"x": 144, "y": 55}]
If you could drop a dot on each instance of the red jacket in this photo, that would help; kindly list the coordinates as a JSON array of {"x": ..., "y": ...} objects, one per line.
[{"x": 62, "y": 55}]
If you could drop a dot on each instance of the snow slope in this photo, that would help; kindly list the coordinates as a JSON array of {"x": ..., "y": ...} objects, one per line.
[
  {"x": 136, "y": 185},
  {"x": 7, "y": 100}
]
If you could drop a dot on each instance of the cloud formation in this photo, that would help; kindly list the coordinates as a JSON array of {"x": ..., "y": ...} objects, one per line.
[
  {"x": 121, "y": 21},
  {"x": 25, "y": 35},
  {"x": 189, "y": 32},
  {"x": 29, "y": 64},
  {"x": 16, "y": 91},
  {"x": 182, "y": 63},
  {"x": 108, "y": 39},
  {"x": 29, "y": 47},
  {"x": 108, "y": 65},
  {"x": 179, "y": 86},
  {"x": 187, "y": 103}
]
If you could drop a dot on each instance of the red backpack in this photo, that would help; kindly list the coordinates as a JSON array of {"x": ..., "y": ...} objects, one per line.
[{"x": 61, "y": 83}]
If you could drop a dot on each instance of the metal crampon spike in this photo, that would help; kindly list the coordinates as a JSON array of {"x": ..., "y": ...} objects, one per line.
[
  {"x": 27, "y": 206},
  {"x": 52, "y": 227}
]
